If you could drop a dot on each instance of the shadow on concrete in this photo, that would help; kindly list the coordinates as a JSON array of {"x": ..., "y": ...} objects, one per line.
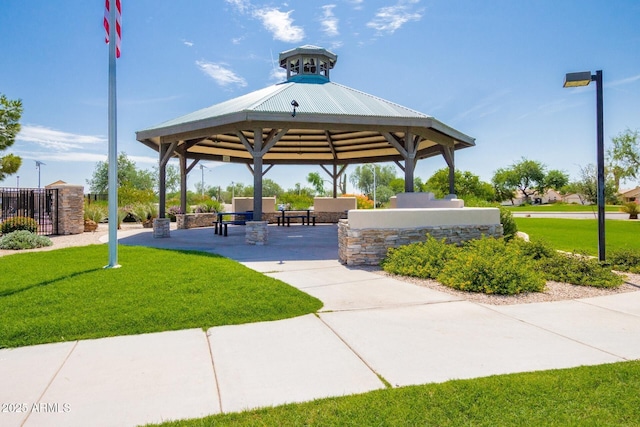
[{"x": 295, "y": 243}]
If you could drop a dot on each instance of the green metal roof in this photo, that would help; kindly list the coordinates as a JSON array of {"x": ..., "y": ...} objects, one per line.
[{"x": 333, "y": 124}]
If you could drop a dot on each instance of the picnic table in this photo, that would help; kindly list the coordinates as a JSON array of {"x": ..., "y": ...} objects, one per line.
[
  {"x": 303, "y": 214},
  {"x": 239, "y": 218}
]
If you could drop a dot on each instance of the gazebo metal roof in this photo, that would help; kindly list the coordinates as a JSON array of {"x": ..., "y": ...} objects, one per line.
[{"x": 331, "y": 124}]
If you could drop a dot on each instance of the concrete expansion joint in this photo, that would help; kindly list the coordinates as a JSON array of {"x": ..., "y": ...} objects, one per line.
[
  {"x": 389, "y": 306},
  {"x": 582, "y": 301},
  {"x": 383, "y": 380},
  {"x": 215, "y": 373},
  {"x": 622, "y": 358}
]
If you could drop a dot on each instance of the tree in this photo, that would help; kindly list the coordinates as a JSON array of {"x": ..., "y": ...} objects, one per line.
[
  {"x": 317, "y": 182},
  {"x": 624, "y": 157},
  {"x": 556, "y": 179},
  {"x": 503, "y": 185},
  {"x": 466, "y": 185},
  {"x": 172, "y": 178},
  {"x": 10, "y": 113},
  {"x": 270, "y": 188},
  {"x": 527, "y": 176},
  {"x": 397, "y": 185},
  {"x": 362, "y": 177},
  {"x": 128, "y": 176},
  {"x": 587, "y": 186}
]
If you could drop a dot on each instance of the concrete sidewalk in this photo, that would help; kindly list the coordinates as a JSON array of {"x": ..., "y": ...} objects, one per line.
[{"x": 370, "y": 325}]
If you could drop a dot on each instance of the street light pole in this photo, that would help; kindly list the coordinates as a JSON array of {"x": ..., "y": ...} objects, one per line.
[
  {"x": 38, "y": 164},
  {"x": 583, "y": 79},
  {"x": 202, "y": 179}
]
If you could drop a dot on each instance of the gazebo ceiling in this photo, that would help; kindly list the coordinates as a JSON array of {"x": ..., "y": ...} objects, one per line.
[{"x": 332, "y": 123}]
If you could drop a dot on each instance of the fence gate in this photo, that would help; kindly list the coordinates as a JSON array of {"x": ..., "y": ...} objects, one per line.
[{"x": 41, "y": 204}]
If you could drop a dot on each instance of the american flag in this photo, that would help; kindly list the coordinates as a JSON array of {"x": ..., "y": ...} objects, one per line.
[{"x": 118, "y": 25}]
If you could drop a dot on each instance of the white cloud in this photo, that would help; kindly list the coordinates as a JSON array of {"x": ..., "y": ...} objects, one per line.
[
  {"x": 623, "y": 81},
  {"x": 187, "y": 43},
  {"x": 71, "y": 156},
  {"x": 240, "y": 5},
  {"x": 357, "y": 4},
  {"x": 391, "y": 18},
  {"x": 280, "y": 25},
  {"x": 223, "y": 76},
  {"x": 55, "y": 139},
  {"x": 329, "y": 21},
  {"x": 278, "y": 75}
]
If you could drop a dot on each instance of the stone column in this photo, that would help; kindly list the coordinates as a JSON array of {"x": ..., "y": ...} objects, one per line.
[
  {"x": 161, "y": 227},
  {"x": 256, "y": 232},
  {"x": 70, "y": 214}
]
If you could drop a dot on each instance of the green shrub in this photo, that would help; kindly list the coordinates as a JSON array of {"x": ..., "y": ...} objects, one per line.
[
  {"x": 96, "y": 212},
  {"x": 23, "y": 239},
  {"x": 19, "y": 223},
  {"x": 579, "y": 270},
  {"x": 535, "y": 249},
  {"x": 625, "y": 260},
  {"x": 632, "y": 208},
  {"x": 492, "y": 267},
  {"x": 424, "y": 259},
  {"x": 142, "y": 211},
  {"x": 209, "y": 206},
  {"x": 509, "y": 226}
]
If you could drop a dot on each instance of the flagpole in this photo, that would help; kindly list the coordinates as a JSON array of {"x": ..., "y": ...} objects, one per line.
[{"x": 113, "y": 141}]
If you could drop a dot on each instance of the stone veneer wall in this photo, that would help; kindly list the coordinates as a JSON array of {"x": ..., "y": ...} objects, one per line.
[
  {"x": 195, "y": 220},
  {"x": 369, "y": 246},
  {"x": 70, "y": 215}
]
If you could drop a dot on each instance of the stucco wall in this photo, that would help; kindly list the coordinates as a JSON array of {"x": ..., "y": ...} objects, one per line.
[
  {"x": 339, "y": 204},
  {"x": 411, "y": 218},
  {"x": 244, "y": 204}
]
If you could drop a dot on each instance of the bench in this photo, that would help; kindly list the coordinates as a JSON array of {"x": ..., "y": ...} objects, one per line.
[
  {"x": 221, "y": 227},
  {"x": 289, "y": 217}
]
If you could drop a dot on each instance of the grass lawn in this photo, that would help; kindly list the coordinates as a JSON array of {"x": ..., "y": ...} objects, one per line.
[
  {"x": 66, "y": 294},
  {"x": 604, "y": 395},
  {"x": 581, "y": 235},
  {"x": 560, "y": 207}
]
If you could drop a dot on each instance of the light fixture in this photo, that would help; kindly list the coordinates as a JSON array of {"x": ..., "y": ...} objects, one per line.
[
  {"x": 583, "y": 78},
  {"x": 295, "y": 105}
]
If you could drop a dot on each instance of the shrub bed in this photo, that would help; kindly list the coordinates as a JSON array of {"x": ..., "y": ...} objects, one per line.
[
  {"x": 19, "y": 223},
  {"x": 625, "y": 260},
  {"x": 23, "y": 239},
  {"x": 422, "y": 259},
  {"x": 494, "y": 266}
]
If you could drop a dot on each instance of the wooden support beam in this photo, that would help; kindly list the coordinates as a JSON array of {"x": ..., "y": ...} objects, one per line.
[
  {"x": 257, "y": 175},
  {"x": 449, "y": 156}
]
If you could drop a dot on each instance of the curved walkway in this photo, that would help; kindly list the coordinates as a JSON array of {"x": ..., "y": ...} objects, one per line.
[{"x": 371, "y": 326}]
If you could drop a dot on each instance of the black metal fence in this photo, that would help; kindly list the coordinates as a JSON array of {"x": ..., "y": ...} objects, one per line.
[
  {"x": 41, "y": 204},
  {"x": 96, "y": 197}
]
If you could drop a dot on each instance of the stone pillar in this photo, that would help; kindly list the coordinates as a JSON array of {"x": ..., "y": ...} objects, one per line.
[
  {"x": 161, "y": 227},
  {"x": 70, "y": 214},
  {"x": 256, "y": 232}
]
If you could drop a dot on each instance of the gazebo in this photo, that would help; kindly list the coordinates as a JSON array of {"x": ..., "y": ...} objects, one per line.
[{"x": 306, "y": 120}]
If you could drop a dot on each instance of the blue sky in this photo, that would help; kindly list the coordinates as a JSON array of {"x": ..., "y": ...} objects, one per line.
[{"x": 492, "y": 69}]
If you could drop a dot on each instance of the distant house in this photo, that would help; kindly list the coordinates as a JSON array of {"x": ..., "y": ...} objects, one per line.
[
  {"x": 550, "y": 196},
  {"x": 628, "y": 196},
  {"x": 576, "y": 199}
]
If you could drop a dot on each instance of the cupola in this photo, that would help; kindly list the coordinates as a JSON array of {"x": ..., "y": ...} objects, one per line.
[{"x": 307, "y": 63}]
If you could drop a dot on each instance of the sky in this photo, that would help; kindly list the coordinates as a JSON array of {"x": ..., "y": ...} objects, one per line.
[{"x": 492, "y": 69}]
